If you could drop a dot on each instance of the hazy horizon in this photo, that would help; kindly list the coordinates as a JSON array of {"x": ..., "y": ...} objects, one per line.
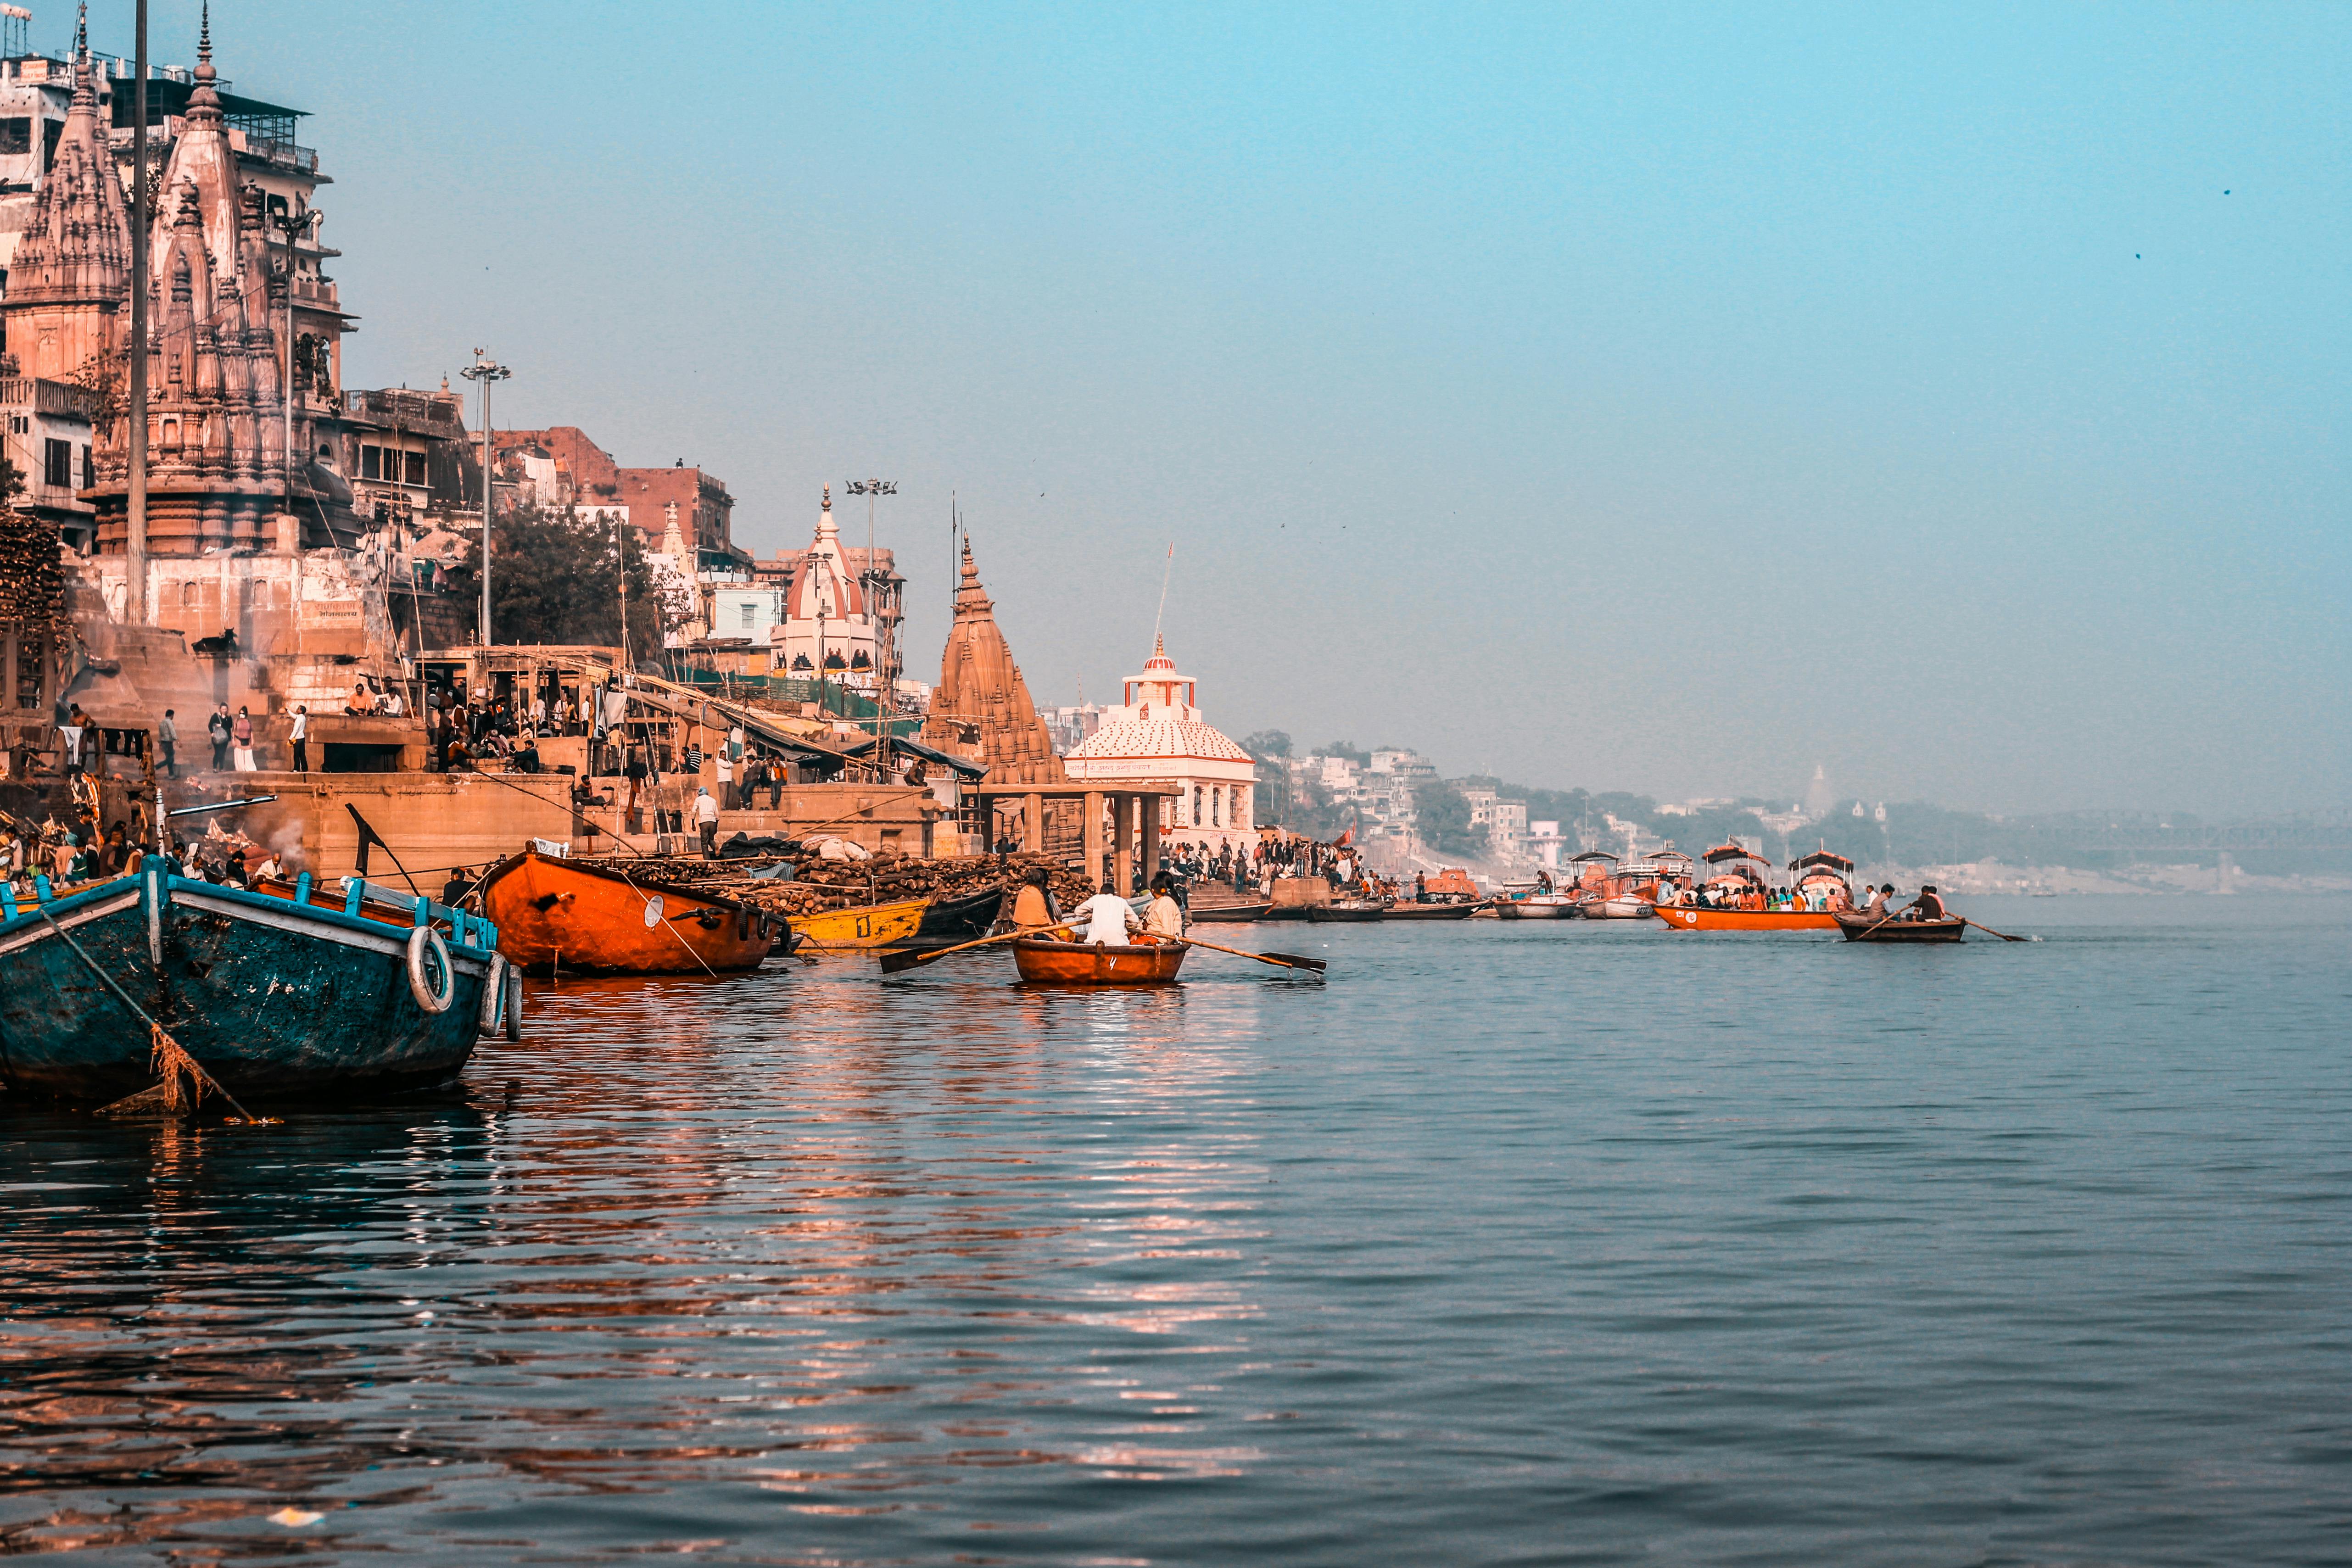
[{"x": 1636, "y": 399}]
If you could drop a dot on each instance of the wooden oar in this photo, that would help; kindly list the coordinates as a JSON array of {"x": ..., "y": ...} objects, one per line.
[
  {"x": 1279, "y": 960},
  {"x": 1990, "y": 932},
  {"x": 896, "y": 962}
]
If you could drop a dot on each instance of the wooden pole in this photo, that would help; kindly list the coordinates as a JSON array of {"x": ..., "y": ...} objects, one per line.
[
  {"x": 1122, "y": 859},
  {"x": 1094, "y": 835},
  {"x": 1152, "y": 806},
  {"x": 1033, "y": 822}
]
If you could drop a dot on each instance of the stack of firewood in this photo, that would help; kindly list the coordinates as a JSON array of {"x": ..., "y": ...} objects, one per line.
[
  {"x": 32, "y": 586},
  {"x": 818, "y": 885}
]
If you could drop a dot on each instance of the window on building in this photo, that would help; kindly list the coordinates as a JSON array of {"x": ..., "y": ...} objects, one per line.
[
  {"x": 16, "y": 133},
  {"x": 411, "y": 467},
  {"x": 371, "y": 463},
  {"x": 19, "y": 424},
  {"x": 57, "y": 463},
  {"x": 88, "y": 469},
  {"x": 750, "y": 616}
]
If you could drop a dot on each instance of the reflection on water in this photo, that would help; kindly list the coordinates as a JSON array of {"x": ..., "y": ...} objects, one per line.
[{"x": 1511, "y": 1241}]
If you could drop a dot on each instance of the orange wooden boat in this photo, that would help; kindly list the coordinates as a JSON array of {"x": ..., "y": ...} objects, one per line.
[
  {"x": 593, "y": 917},
  {"x": 1691, "y": 918},
  {"x": 1086, "y": 963}
]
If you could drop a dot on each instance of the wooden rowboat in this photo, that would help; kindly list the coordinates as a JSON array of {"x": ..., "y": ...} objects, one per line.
[
  {"x": 276, "y": 997},
  {"x": 1343, "y": 910},
  {"x": 1873, "y": 928},
  {"x": 1226, "y": 913},
  {"x": 867, "y": 927},
  {"x": 593, "y": 917},
  {"x": 1620, "y": 906},
  {"x": 1691, "y": 918},
  {"x": 1432, "y": 911},
  {"x": 1538, "y": 906},
  {"x": 1087, "y": 964}
]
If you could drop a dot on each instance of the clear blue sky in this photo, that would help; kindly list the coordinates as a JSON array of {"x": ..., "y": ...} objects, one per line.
[{"x": 1665, "y": 399}]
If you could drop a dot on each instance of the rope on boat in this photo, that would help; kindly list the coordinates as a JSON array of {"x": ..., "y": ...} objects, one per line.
[{"x": 168, "y": 1057}]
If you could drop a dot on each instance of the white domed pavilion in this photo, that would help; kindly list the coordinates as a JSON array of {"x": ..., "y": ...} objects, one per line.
[{"x": 1160, "y": 735}]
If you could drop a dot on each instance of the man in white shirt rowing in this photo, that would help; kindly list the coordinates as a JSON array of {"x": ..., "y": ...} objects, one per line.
[{"x": 1108, "y": 918}]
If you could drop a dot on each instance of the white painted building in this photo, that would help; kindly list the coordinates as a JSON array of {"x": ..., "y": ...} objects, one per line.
[{"x": 1158, "y": 734}]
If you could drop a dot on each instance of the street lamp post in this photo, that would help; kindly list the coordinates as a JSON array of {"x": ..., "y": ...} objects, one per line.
[
  {"x": 293, "y": 227},
  {"x": 875, "y": 583},
  {"x": 486, "y": 372}
]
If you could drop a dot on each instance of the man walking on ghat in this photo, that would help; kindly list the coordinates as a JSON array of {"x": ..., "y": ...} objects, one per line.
[
  {"x": 706, "y": 822},
  {"x": 300, "y": 733},
  {"x": 167, "y": 738}
]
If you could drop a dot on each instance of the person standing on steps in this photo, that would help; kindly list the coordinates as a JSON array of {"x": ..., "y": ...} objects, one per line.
[
  {"x": 216, "y": 727},
  {"x": 167, "y": 740},
  {"x": 706, "y": 822},
  {"x": 301, "y": 735}
]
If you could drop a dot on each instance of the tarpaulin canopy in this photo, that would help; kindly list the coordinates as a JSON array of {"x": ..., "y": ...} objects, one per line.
[
  {"x": 1836, "y": 862},
  {"x": 1722, "y": 853},
  {"x": 964, "y": 766}
]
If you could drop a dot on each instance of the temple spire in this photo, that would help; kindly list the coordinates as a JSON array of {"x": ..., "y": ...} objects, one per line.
[{"x": 204, "y": 104}]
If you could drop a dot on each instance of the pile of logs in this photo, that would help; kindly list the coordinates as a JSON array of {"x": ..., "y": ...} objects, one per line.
[
  {"x": 32, "y": 586},
  {"x": 818, "y": 885}
]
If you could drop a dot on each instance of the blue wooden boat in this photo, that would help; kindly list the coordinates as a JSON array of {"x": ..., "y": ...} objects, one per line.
[{"x": 280, "y": 993}]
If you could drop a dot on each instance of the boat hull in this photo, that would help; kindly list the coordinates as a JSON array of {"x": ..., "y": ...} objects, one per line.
[
  {"x": 1872, "y": 929},
  {"x": 1352, "y": 912},
  {"x": 1085, "y": 964},
  {"x": 592, "y": 919},
  {"x": 1227, "y": 913},
  {"x": 1539, "y": 908},
  {"x": 1432, "y": 911},
  {"x": 1624, "y": 907},
  {"x": 1688, "y": 918},
  {"x": 859, "y": 930},
  {"x": 274, "y": 1001}
]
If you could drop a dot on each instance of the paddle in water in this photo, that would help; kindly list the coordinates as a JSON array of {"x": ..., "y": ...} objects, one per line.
[{"x": 1279, "y": 960}]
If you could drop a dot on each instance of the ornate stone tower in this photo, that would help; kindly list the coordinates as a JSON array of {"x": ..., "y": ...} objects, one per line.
[
  {"x": 68, "y": 288},
  {"x": 216, "y": 468},
  {"x": 980, "y": 693}
]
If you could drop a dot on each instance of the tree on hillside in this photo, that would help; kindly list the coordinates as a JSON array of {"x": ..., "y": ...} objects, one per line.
[
  {"x": 1347, "y": 749},
  {"x": 1267, "y": 743},
  {"x": 555, "y": 578},
  {"x": 1442, "y": 818}
]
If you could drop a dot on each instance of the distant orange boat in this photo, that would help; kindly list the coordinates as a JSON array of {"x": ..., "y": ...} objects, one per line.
[
  {"x": 594, "y": 918},
  {"x": 1088, "y": 964}
]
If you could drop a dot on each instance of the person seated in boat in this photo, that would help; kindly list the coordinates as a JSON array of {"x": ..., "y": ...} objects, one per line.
[
  {"x": 1108, "y": 919},
  {"x": 1876, "y": 908},
  {"x": 1164, "y": 918},
  {"x": 1033, "y": 906},
  {"x": 1926, "y": 907}
]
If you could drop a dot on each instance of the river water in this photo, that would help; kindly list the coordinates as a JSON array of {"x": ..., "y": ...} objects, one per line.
[{"x": 1512, "y": 1243}]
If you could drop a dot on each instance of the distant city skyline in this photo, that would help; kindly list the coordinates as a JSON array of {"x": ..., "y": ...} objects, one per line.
[{"x": 1645, "y": 399}]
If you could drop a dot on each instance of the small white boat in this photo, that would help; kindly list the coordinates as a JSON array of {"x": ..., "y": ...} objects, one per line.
[
  {"x": 1620, "y": 906},
  {"x": 1537, "y": 906}
]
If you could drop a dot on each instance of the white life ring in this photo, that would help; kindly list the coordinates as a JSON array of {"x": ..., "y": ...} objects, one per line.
[
  {"x": 421, "y": 941},
  {"x": 494, "y": 993}
]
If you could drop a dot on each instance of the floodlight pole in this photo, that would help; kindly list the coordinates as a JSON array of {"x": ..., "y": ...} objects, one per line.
[{"x": 485, "y": 371}]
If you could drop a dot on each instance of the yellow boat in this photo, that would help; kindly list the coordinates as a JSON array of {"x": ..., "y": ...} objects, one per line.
[{"x": 849, "y": 930}]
